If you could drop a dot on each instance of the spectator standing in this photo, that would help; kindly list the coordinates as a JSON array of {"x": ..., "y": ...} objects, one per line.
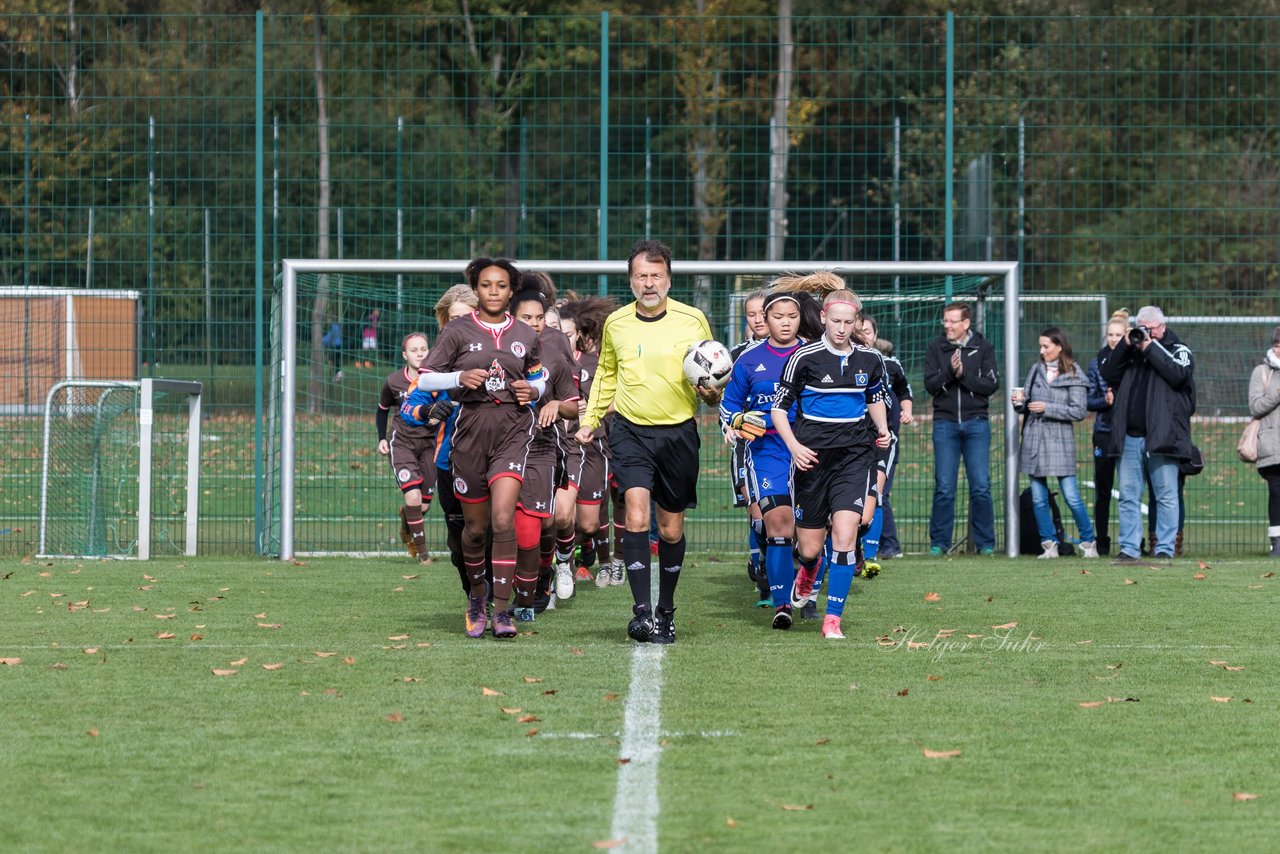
[
  {"x": 960, "y": 375},
  {"x": 1153, "y": 375},
  {"x": 1100, "y": 400},
  {"x": 1264, "y": 403},
  {"x": 332, "y": 342},
  {"x": 1052, "y": 399}
]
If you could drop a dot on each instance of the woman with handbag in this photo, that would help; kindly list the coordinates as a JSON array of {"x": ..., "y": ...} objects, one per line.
[
  {"x": 1053, "y": 399},
  {"x": 1264, "y": 406}
]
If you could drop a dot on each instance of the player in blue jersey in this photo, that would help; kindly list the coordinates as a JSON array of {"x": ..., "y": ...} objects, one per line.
[
  {"x": 840, "y": 421},
  {"x": 766, "y": 460},
  {"x": 757, "y": 331}
]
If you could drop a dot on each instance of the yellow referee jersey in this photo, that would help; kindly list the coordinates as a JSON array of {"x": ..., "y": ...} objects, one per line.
[{"x": 641, "y": 366}]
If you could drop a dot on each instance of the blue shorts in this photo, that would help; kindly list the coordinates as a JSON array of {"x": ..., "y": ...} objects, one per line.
[{"x": 768, "y": 470}]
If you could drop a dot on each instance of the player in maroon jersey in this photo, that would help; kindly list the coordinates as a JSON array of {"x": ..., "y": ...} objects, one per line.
[{"x": 493, "y": 362}]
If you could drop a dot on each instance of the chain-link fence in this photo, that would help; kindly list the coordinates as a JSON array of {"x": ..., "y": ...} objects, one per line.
[{"x": 173, "y": 160}]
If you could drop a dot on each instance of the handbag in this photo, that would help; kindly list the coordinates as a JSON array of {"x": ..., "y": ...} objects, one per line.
[{"x": 1247, "y": 447}]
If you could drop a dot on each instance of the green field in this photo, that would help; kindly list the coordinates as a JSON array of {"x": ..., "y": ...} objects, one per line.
[{"x": 1077, "y": 706}]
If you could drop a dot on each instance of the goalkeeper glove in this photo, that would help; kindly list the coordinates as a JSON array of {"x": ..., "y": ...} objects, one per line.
[
  {"x": 750, "y": 425},
  {"x": 440, "y": 410}
]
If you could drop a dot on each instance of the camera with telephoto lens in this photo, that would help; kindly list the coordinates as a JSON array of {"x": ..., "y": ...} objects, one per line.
[{"x": 1138, "y": 334}]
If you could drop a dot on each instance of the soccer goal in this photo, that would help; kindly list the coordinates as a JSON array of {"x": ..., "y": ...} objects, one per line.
[
  {"x": 97, "y": 483},
  {"x": 327, "y": 491}
]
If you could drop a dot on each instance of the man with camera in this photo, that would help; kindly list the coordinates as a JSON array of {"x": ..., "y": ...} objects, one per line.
[
  {"x": 1152, "y": 374},
  {"x": 960, "y": 375}
]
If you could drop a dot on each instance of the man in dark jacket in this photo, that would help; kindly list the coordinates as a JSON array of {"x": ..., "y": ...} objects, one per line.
[
  {"x": 1152, "y": 374},
  {"x": 960, "y": 375}
]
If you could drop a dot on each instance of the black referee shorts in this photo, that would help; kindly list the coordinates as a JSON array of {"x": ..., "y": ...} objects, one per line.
[{"x": 660, "y": 458}]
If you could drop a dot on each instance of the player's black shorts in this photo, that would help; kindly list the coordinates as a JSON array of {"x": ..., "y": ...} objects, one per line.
[
  {"x": 660, "y": 458},
  {"x": 840, "y": 481}
]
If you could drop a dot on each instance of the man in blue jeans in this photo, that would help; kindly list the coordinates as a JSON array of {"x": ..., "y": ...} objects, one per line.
[
  {"x": 960, "y": 375},
  {"x": 1153, "y": 376}
]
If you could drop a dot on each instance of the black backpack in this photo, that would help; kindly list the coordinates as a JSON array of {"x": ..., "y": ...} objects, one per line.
[{"x": 1029, "y": 534}]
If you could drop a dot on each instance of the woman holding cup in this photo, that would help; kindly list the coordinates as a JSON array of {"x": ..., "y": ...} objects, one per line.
[{"x": 1053, "y": 399}]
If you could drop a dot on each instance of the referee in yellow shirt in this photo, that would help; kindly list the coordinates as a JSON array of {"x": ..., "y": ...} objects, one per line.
[{"x": 653, "y": 440}]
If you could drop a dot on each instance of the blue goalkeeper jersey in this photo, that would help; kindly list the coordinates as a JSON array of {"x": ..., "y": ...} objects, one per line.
[{"x": 754, "y": 383}]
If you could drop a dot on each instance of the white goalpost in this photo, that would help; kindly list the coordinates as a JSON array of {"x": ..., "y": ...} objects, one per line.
[{"x": 286, "y": 368}]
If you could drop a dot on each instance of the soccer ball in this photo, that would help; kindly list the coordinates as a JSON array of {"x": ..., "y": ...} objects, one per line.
[{"x": 708, "y": 364}]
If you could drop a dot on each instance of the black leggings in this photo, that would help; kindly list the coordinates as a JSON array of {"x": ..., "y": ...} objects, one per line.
[
  {"x": 1104, "y": 478},
  {"x": 1271, "y": 474}
]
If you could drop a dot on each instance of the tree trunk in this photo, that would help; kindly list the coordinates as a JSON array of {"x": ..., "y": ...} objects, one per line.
[
  {"x": 73, "y": 95},
  {"x": 320, "y": 308},
  {"x": 777, "y": 240}
]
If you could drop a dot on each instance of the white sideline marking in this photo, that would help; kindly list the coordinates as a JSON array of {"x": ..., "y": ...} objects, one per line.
[
  {"x": 588, "y": 736},
  {"x": 635, "y": 806}
]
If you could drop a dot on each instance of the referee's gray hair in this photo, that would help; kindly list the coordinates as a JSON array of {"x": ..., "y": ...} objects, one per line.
[{"x": 1151, "y": 314}]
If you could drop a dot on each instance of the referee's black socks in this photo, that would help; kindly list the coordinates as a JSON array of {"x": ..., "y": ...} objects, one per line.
[
  {"x": 635, "y": 555},
  {"x": 670, "y": 559}
]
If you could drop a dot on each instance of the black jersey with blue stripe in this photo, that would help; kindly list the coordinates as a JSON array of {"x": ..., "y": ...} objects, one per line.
[{"x": 832, "y": 391}]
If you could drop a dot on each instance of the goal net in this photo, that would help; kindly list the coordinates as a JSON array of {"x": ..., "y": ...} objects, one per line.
[
  {"x": 104, "y": 490},
  {"x": 330, "y": 492}
]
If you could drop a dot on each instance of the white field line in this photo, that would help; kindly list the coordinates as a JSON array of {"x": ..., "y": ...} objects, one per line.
[{"x": 635, "y": 805}]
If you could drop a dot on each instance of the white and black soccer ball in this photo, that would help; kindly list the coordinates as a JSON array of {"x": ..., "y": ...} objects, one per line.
[{"x": 708, "y": 364}]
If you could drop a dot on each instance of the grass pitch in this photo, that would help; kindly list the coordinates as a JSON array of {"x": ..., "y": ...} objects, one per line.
[{"x": 978, "y": 704}]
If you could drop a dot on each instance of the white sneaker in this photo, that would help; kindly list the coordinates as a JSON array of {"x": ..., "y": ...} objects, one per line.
[
  {"x": 1051, "y": 549},
  {"x": 605, "y": 576},
  {"x": 1089, "y": 549},
  {"x": 564, "y": 580},
  {"x": 619, "y": 574}
]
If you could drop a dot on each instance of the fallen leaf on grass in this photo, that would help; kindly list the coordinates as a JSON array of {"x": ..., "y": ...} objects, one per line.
[
  {"x": 217, "y": 672},
  {"x": 1204, "y": 565},
  {"x": 729, "y": 822},
  {"x": 1225, "y": 666},
  {"x": 93, "y": 733},
  {"x": 609, "y": 698},
  {"x": 797, "y": 807},
  {"x": 25, "y": 595},
  {"x": 261, "y": 616},
  {"x": 410, "y": 577},
  {"x": 197, "y": 637},
  {"x": 325, "y": 654},
  {"x": 932, "y": 597},
  {"x": 940, "y": 754},
  {"x": 623, "y": 760},
  {"x": 398, "y": 637},
  {"x": 395, "y": 717},
  {"x": 530, "y": 680},
  {"x": 575, "y": 650},
  {"x": 932, "y": 678},
  {"x": 904, "y": 692},
  {"x": 164, "y": 616},
  {"x": 489, "y": 692},
  {"x": 239, "y": 662},
  {"x": 270, "y": 625},
  {"x": 1085, "y": 572},
  {"x": 511, "y": 710},
  {"x": 10, "y": 662},
  {"x": 1012, "y": 625},
  {"x": 1243, "y": 796},
  {"x": 93, "y": 650},
  {"x": 821, "y": 742},
  {"x": 410, "y": 679},
  {"x": 274, "y": 666},
  {"x": 1084, "y": 642},
  {"x": 1115, "y": 666},
  {"x": 1130, "y": 581},
  {"x": 549, "y": 693},
  {"x": 608, "y": 843},
  {"x": 1264, "y": 575},
  {"x": 1199, "y": 576},
  {"x": 973, "y": 636},
  {"x": 528, "y": 719},
  {"x": 165, "y": 636},
  {"x": 422, "y": 645},
  {"x": 1220, "y": 699},
  {"x": 349, "y": 660},
  {"x": 58, "y": 665},
  {"x": 531, "y": 733},
  {"x": 917, "y": 645}
]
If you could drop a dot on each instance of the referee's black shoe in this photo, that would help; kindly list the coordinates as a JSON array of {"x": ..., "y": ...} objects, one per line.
[
  {"x": 641, "y": 626},
  {"x": 664, "y": 626}
]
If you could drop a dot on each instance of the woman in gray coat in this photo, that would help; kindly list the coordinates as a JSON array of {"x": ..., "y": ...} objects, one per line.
[
  {"x": 1053, "y": 399},
  {"x": 1264, "y": 404}
]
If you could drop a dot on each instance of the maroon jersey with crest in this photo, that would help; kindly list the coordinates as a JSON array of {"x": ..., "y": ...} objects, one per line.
[{"x": 508, "y": 351}]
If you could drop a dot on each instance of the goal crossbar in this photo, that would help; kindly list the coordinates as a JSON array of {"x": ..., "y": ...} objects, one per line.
[{"x": 1007, "y": 271}]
